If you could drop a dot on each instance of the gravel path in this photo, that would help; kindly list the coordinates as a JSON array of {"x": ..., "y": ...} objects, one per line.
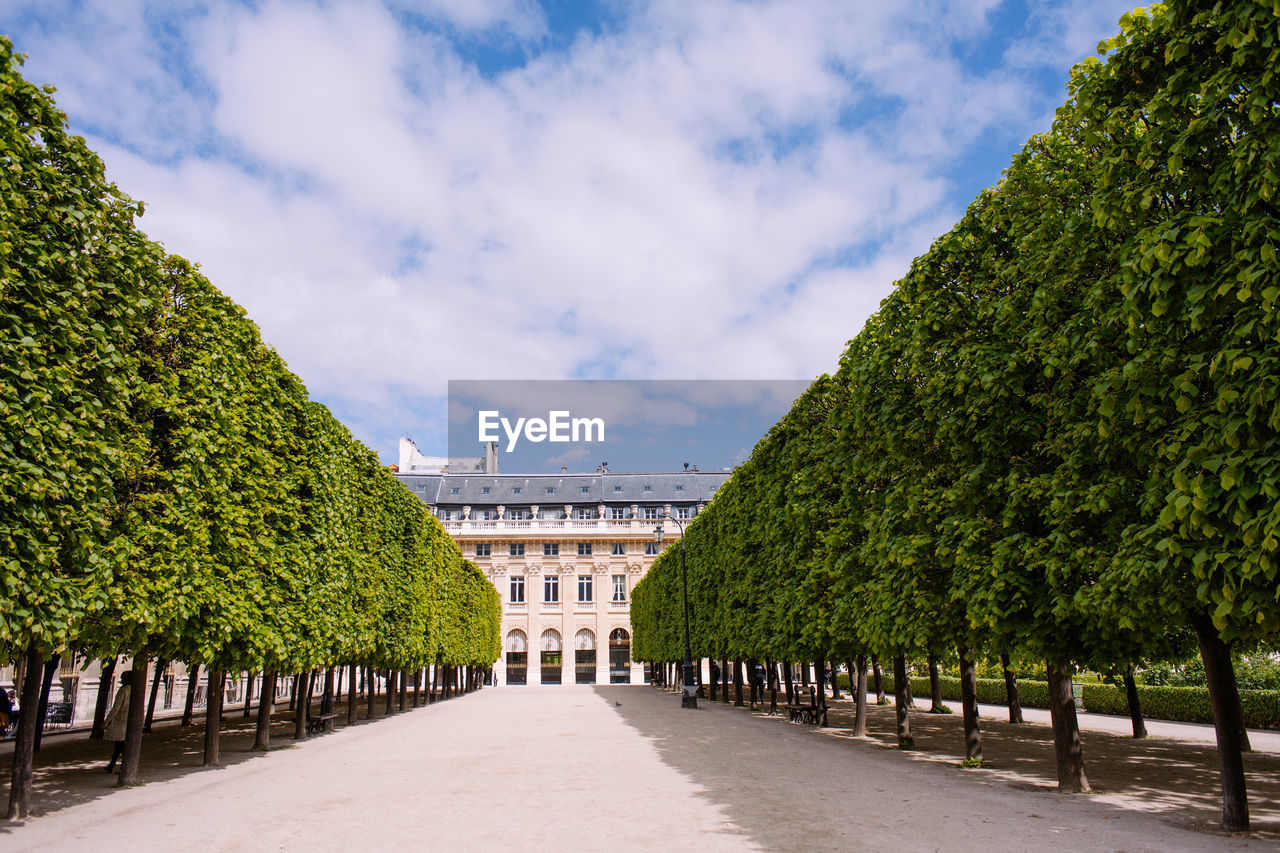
[{"x": 609, "y": 768}]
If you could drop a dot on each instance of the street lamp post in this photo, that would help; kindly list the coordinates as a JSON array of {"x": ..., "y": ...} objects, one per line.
[{"x": 689, "y": 691}]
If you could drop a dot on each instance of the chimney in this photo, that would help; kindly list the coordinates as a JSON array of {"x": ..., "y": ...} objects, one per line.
[{"x": 491, "y": 457}]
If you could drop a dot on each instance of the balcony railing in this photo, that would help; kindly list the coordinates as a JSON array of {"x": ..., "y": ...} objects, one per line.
[{"x": 640, "y": 525}]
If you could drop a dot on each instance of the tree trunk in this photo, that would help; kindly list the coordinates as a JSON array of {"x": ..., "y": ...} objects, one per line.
[
  {"x": 902, "y": 702},
  {"x": 737, "y": 684},
  {"x": 25, "y": 748},
  {"x": 878, "y": 681},
  {"x": 751, "y": 682},
  {"x": 155, "y": 689},
  {"x": 391, "y": 690},
  {"x": 293, "y": 693},
  {"x": 1066, "y": 731},
  {"x": 404, "y": 687},
  {"x": 804, "y": 673},
  {"x": 326, "y": 703},
  {"x": 860, "y": 698},
  {"x": 302, "y": 680},
  {"x": 132, "y": 755},
  {"x": 46, "y": 682},
  {"x": 820, "y": 680},
  {"x": 248, "y": 692},
  {"x": 835, "y": 679},
  {"x": 1135, "y": 707},
  {"x": 725, "y": 677},
  {"x": 969, "y": 708},
  {"x": 353, "y": 712},
  {"x": 313, "y": 676},
  {"x": 791, "y": 687},
  {"x": 715, "y": 679},
  {"x": 373, "y": 689},
  {"x": 1011, "y": 691},
  {"x": 935, "y": 687},
  {"x": 1228, "y": 723},
  {"x": 104, "y": 698},
  {"x": 266, "y": 703},
  {"x": 214, "y": 692},
  {"x": 193, "y": 678},
  {"x": 417, "y": 687},
  {"x": 911, "y": 699}
]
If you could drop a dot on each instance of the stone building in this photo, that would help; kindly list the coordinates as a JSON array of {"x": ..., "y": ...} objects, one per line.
[{"x": 564, "y": 552}]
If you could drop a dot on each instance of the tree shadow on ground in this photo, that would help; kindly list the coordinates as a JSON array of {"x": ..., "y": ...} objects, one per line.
[
  {"x": 69, "y": 767},
  {"x": 1172, "y": 780}
]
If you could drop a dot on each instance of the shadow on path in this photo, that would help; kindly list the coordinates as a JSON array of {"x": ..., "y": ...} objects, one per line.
[
  {"x": 69, "y": 769},
  {"x": 792, "y": 786}
]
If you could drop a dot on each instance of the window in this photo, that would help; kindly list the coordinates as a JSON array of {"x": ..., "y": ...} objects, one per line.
[
  {"x": 584, "y": 588},
  {"x": 485, "y": 515},
  {"x": 518, "y": 514},
  {"x": 586, "y": 490},
  {"x": 584, "y": 512},
  {"x": 516, "y": 490},
  {"x": 517, "y": 549},
  {"x": 617, "y": 488},
  {"x": 484, "y": 490},
  {"x": 517, "y": 589},
  {"x": 584, "y": 549},
  {"x": 619, "y": 587},
  {"x": 454, "y": 490},
  {"x": 551, "y": 549},
  {"x": 652, "y": 512},
  {"x": 651, "y": 549},
  {"x": 619, "y": 512},
  {"x": 482, "y": 549},
  {"x": 551, "y": 589},
  {"x": 648, "y": 488},
  {"x": 679, "y": 488},
  {"x": 550, "y": 490},
  {"x": 682, "y": 512},
  {"x": 619, "y": 549}
]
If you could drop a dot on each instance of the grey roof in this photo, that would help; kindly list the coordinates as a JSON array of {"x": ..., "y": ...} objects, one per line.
[{"x": 675, "y": 487}]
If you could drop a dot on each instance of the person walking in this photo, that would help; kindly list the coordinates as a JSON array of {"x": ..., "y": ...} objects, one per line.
[{"x": 117, "y": 722}]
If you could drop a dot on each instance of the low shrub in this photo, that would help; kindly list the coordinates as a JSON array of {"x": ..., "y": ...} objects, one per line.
[{"x": 1178, "y": 704}]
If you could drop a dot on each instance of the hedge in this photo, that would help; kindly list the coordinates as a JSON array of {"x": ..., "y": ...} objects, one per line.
[{"x": 1176, "y": 704}]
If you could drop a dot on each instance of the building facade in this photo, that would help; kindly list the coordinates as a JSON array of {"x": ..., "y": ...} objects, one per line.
[{"x": 564, "y": 552}]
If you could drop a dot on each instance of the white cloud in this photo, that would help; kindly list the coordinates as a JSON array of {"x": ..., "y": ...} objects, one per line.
[{"x": 710, "y": 190}]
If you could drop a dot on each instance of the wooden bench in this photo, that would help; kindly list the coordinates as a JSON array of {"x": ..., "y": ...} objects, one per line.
[
  {"x": 810, "y": 712},
  {"x": 317, "y": 723}
]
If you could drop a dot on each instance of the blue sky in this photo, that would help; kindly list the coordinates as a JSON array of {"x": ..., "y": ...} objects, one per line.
[{"x": 406, "y": 192}]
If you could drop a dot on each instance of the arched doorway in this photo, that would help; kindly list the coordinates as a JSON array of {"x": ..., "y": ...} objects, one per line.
[
  {"x": 552, "y": 656},
  {"x": 619, "y": 656},
  {"x": 584, "y": 656},
  {"x": 517, "y": 657}
]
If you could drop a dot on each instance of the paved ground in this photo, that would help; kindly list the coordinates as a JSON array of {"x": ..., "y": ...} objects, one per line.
[{"x": 615, "y": 768}]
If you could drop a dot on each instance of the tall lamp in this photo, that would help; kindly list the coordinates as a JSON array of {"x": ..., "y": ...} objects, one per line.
[{"x": 689, "y": 690}]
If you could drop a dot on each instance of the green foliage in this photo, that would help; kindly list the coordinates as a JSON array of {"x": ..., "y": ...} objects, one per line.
[
  {"x": 1059, "y": 437},
  {"x": 70, "y": 303},
  {"x": 165, "y": 484}
]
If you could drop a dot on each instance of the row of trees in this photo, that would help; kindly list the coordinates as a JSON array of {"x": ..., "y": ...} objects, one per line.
[
  {"x": 167, "y": 489},
  {"x": 1059, "y": 437}
]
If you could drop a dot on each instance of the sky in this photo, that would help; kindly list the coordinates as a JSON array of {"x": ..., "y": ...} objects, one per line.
[{"x": 405, "y": 192}]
